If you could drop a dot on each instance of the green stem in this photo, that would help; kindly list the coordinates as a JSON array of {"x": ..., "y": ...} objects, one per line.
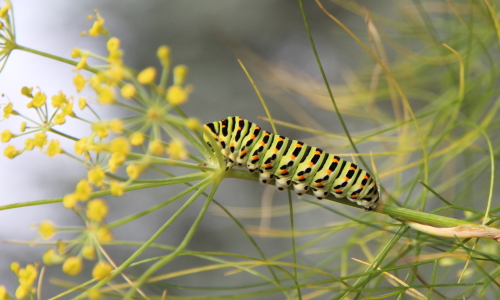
[
  {"x": 399, "y": 213},
  {"x": 162, "y": 182},
  {"x": 55, "y": 57},
  {"x": 155, "y": 267},
  {"x": 146, "y": 244}
]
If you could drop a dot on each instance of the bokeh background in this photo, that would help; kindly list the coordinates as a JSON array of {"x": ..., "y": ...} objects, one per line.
[{"x": 208, "y": 37}]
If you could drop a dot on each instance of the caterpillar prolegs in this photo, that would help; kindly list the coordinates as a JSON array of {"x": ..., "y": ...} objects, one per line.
[{"x": 245, "y": 144}]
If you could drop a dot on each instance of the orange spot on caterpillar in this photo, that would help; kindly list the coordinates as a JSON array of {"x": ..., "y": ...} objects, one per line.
[{"x": 352, "y": 168}]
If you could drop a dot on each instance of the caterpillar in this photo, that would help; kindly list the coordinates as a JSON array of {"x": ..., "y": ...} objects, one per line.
[{"x": 244, "y": 144}]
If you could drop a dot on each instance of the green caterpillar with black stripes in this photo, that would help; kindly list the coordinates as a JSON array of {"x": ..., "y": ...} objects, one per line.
[{"x": 244, "y": 144}]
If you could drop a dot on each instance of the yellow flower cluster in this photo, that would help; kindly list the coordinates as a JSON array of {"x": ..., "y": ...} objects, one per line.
[
  {"x": 106, "y": 148},
  {"x": 26, "y": 277}
]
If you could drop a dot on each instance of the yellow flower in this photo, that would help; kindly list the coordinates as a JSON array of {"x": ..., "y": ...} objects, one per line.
[
  {"x": 6, "y": 136},
  {"x": 3, "y": 293},
  {"x": 115, "y": 161},
  {"x": 137, "y": 138},
  {"x": 97, "y": 210},
  {"x": 11, "y": 152},
  {"x": 59, "y": 119},
  {"x": 176, "y": 150},
  {"x": 163, "y": 54},
  {"x": 88, "y": 252},
  {"x": 28, "y": 275},
  {"x": 101, "y": 129},
  {"x": 83, "y": 190},
  {"x": 94, "y": 295},
  {"x": 105, "y": 95},
  {"x": 38, "y": 100},
  {"x": 127, "y": 91},
  {"x": 75, "y": 53},
  {"x": 98, "y": 28},
  {"x": 72, "y": 266},
  {"x": 95, "y": 81},
  {"x": 116, "y": 125},
  {"x": 26, "y": 91},
  {"x": 80, "y": 146},
  {"x": 23, "y": 126},
  {"x": 68, "y": 109},
  {"x": 116, "y": 188},
  {"x": 82, "y": 63},
  {"x": 29, "y": 144},
  {"x": 82, "y": 103},
  {"x": 54, "y": 148},
  {"x": 113, "y": 44},
  {"x": 51, "y": 257},
  {"x": 59, "y": 100},
  {"x": 22, "y": 292},
  {"x": 147, "y": 76},
  {"x": 46, "y": 230},
  {"x": 14, "y": 267},
  {"x": 61, "y": 247},
  {"x": 193, "y": 124},
  {"x": 156, "y": 148},
  {"x": 40, "y": 139},
  {"x": 133, "y": 171},
  {"x": 69, "y": 200},
  {"x": 7, "y": 111},
  {"x": 119, "y": 145},
  {"x": 104, "y": 235},
  {"x": 79, "y": 82},
  {"x": 180, "y": 74},
  {"x": 113, "y": 75},
  {"x": 101, "y": 270},
  {"x": 96, "y": 176},
  {"x": 176, "y": 95},
  {"x": 115, "y": 57}
]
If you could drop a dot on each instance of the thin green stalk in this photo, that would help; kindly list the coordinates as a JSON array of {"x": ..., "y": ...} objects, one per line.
[
  {"x": 136, "y": 216},
  {"x": 151, "y": 270},
  {"x": 264, "y": 105},
  {"x": 55, "y": 57},
  {"x": 292, "y": 228},
  {"x": 146, "y": 244}
]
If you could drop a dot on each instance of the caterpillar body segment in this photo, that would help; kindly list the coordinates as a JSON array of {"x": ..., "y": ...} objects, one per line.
[
  {"x": 307, "y": 168},
  {"x": 325, "y": 176},
  {"x": 245, "y": 144},
  {"x": 273, "y": 155},
  {"x": 253, "y": 134},
  {"x": 288, "y": 164}
]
